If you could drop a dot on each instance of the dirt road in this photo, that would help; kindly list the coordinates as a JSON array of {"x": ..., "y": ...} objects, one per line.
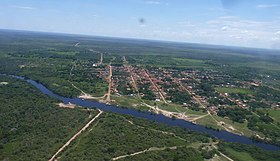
[
  {"x": 129, "y": 68},
  {"x": 152, "y": 82},
  {"x": 108, "y": 99},
  {"x": 75, "y": 136},
  {"x": 146, "y": 150}
]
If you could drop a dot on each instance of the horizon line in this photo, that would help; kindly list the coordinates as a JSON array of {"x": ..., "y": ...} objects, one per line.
[{"x": 140, "y": 39}]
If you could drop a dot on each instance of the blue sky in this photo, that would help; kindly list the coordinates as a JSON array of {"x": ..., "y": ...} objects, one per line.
[{"x": 250, "y": 23}]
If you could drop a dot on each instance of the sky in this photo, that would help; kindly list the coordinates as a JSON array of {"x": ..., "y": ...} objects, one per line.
[{"x": 248, "y": 23}]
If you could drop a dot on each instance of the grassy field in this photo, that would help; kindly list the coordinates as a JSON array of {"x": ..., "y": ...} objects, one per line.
[
  {"x": 168, "y": 108},
  {"x": 242, "y": 156},
  {"x": 234, "y": 90},
  {"x": 187, "y": 63},
  {"x": 208, "y": 121},
  {"x": 128, "y": 102},
  {"x": 275, "y": 114},
  {"x": 71, "y": 53},
  {"x": 135, "y": 102},
  {"x": 240, "y": 127},
  {"x": 264, "y": 65},
  {"x": 96, "y": 89}
]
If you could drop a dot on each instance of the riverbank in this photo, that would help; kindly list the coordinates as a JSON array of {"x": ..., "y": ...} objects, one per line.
[{"x": 223, "y": 135}]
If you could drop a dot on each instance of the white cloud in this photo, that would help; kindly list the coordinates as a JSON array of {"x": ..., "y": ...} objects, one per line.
[
  {"x": 186, "y": 24},
  {"x": 227, "y": 17},
  {"x": 25, "y": 7},
  {"x": 217, "y": 9},
  {"x": 267, "y": 5},
  {"x": 225, "y": 28},
  {"x": 153, "y": 2},
  {"x": 237, "y": 31},
  {"x": 245, "y": 24},
  {"x": 143, "y": 25},
  {"x": 244, "y": 31}
]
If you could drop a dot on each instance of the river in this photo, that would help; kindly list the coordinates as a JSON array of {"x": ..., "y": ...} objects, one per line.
[{"x": 222, "y": 134}]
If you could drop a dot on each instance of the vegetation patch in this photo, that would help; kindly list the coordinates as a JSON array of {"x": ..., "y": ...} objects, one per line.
[
  {"x": 114, "y": 135},
  {"x": 243, "y": 153},
  {"x": 230, "y": 90},
  {"x": 32, "y": 125}
]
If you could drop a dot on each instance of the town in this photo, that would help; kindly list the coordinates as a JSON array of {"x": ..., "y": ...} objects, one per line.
[{"x": 175, "y": 92}]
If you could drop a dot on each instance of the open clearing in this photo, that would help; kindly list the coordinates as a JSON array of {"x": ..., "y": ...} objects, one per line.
[
  {"x": 274, "y": 113},
  {"x": 239, "y": 155},
  {"x": 4, "y": 83},
  {"x": 234, "y": 90},
  {"x": 69, "y": 105}
]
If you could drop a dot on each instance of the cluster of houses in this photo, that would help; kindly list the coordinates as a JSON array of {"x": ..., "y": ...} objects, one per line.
[{"x": 161, "y": 81}]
